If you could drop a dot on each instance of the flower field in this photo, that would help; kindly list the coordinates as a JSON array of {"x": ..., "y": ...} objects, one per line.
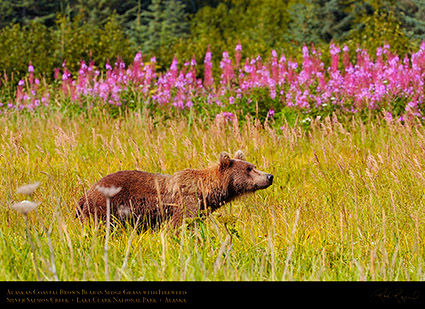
[{"x": 360, "y": 84}]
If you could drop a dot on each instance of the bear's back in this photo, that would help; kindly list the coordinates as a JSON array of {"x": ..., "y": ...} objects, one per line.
[{"x": 137, "y": 187}]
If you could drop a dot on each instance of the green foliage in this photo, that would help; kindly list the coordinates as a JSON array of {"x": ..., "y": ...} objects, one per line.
[
  {"x": 260, "y": 26},
  {"x": 159, "y": 27},
  {"x": 411, "y": 14},
  {"x": 304, "y": 23},
  {"x": 70, "y": 40},
  {"x": 322, "y": 21},
  {"x": 21, "y": 44},
  {"x": 77, "y": 40},
  {"x": 95, "y": 11},
  {"x": 47, "y": 33},
  {"x": 381, "y": 28},
  {"x": 25, "y": 12}
]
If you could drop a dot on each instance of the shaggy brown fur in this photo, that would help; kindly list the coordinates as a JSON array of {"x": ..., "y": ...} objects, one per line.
[{"x": 153, "y": 198}]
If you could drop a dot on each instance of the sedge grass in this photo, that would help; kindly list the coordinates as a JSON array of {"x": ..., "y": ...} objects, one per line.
[{"x": 346, "y": 204}]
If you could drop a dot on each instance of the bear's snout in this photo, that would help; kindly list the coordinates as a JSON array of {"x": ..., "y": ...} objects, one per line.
[
  {"x": 262, "y": 180},
  {"x": 270, "y": 178}
]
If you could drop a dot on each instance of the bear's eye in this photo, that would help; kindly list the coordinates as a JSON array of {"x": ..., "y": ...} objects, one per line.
[{"x": 249, "y": 169}]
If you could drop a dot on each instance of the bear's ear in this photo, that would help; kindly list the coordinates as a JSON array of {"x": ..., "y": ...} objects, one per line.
[
  {"x": 240, "y": 155},
  {"x": 224, "y": 160}
]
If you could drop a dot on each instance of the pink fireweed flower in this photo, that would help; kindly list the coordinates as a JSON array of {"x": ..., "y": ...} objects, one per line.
[
  {"x": 271, "y": 113},
  {"x": 227, "y": 69},
  {"x": 346, "y": 57},
  {"x": 173, "y": 66},
  {"x": 247, "y": 67},
  {"x": 56, "y": 73},
  {"x": 334, "y": 51},
  {"x": 275, "y": 67},
  {"x": 238, "y": 54},
  {"x": 389, "y": 117},
  {"x": 83, "y": 68},
  {"x": 208, "y": 78},
  {"x": 238, "y": 47},
  {"x": 66, "y": 75},
  {"x": 292, "y": 64},
  {"x": 305, "y": 51},
  {"x": 138, "y": 57},
  {"x": 45, "y": 101},
  {"x": 225, "y": 116}
]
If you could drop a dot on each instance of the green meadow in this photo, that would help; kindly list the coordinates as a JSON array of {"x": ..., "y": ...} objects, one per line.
[{"x": 346, "y": 202}]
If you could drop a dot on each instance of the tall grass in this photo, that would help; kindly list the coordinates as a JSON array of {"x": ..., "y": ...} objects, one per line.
[{"x": 346, "y": 204}]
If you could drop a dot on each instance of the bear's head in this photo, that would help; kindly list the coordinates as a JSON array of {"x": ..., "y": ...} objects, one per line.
[{"x": 243, "y": 177}]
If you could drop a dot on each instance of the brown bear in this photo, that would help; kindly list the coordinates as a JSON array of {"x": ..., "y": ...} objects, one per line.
[{"x": 151, "y": 199}]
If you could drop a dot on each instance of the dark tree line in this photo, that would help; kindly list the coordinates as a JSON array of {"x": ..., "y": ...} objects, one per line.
[{"x": 46, "y": 32}]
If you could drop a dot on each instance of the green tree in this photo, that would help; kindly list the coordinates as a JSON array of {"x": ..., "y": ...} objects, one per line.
[
  {"x": 98, "y": 11},
  {"x": 8, "y": 14},
  {"x": 157, "y": 29},
  {"x": 149, "y": 27},
  {"x": 27, "y": 11},
  {"x": 77, "y": 40},
  {"x": 21, "y": 44},
  {"x": 323, "y": 21},
  {"x": 71, "y": 39},
  {"x": 412, "y": 16},
  {"x": 259, "y": 25},
  {"x": 95, "y": 11},
  {"x": 304, "y": 25},
  {"x": 383, "y": 26}
]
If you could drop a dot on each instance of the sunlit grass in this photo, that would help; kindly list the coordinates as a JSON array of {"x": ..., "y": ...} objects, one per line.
[{"x": 346, "y": 203}]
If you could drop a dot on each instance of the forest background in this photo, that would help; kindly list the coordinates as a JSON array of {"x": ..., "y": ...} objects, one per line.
[{"x": 46, "y": 33}]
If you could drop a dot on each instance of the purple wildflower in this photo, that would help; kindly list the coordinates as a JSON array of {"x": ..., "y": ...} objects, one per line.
[{"x": 271, "y": 113}]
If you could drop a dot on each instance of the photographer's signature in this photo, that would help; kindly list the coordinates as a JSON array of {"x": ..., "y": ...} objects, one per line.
[{"x": 395, "y": 295}]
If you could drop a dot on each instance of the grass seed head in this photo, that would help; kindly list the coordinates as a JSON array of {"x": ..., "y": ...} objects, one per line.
[
  {"x": 28, "y": 189},
  {"x": 25, "y": 206},
  {"x": 108, "y": 191}
]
